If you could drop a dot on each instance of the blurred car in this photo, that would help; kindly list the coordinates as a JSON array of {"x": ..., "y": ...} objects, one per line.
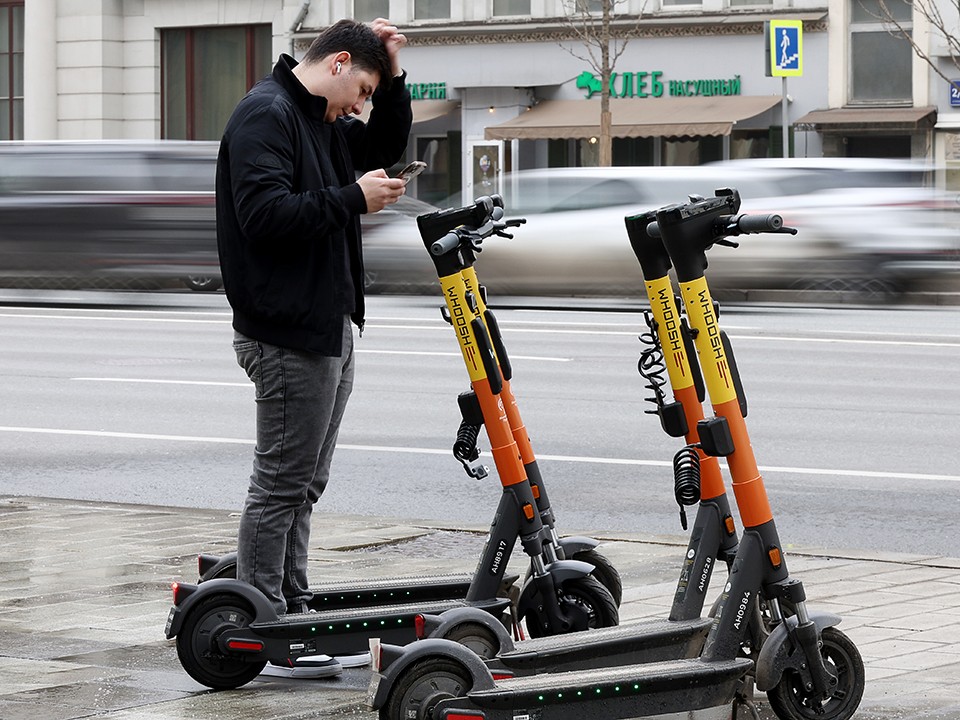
[
  {"x": 124, "y": 211},
  {"x": 106, "y": 210},
  {"x": 574, "y": 241}
]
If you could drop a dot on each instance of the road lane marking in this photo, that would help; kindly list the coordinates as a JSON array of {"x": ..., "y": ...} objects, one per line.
[
  {"x": 551, "y": 330},
  {"x": 164, "y": 382},
  {"x": 433, "y": 451}
]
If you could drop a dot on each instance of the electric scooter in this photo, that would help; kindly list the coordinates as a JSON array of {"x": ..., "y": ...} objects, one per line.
[
  {"x": 807, "y": 667},
  {"x": 713, "y": 538},
  {"x": 226, "y": 630},
  {"x": 558, "y": 596}
]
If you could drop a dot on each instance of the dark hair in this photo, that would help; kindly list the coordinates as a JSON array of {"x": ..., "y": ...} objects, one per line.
[{"x": 366, "y": 49}]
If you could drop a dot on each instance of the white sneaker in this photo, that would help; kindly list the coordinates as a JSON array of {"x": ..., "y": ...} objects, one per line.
[
  {"x": 354, "y": 661},
  {"x": 304, "y": 668}
]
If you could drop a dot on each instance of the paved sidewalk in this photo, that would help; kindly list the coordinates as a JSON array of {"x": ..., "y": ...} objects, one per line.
[{"x": 84, "y": 594}]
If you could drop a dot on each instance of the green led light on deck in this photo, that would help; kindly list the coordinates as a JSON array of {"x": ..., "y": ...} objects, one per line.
[
  {"x": 366, "y": 624},
  {"x": 329, "y": 627},
  {"x": 598, "y": 691},
  {"x": 540, "y": 698}
]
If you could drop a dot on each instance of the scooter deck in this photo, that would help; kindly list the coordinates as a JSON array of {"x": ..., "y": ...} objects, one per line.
[
  {"x": 381, "y": 591},
  {"x": 638, "y": 642},
  {"x": 623, "y": 692},
  {"x": 336, "y": 632}
]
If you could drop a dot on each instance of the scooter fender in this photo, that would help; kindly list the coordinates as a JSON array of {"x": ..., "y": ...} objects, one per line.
[
  {"x": 577, "y": 543},
  {"x": 776, "y": 655},
  {"x": 263, "y": 610},
  {"x": 215, "y": 566},
  {"x": 395, "y": 660},
  {"x": 561, "y": 570},
  {"x": 438, "y": 626}
]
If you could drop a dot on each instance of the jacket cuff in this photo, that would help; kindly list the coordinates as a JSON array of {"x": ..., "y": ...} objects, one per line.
[
  {"x": 397, "y": 90},
  {"x": 354, "y": 200}
]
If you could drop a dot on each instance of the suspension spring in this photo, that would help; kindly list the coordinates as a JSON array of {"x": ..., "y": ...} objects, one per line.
[{"x": 686, "y": 479}]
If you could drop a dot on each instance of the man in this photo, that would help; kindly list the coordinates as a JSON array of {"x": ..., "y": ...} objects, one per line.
[{"x": 288, "y": 231}]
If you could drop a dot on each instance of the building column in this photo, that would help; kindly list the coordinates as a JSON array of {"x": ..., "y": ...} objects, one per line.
[{"x": 40, "y": 70}]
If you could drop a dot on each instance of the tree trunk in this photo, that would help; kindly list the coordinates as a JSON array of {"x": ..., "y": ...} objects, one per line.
[{"x": 606, "y": 141}]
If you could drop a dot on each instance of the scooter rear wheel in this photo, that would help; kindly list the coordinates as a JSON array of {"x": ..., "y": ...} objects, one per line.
[
  {"x": 791, "y": 701},
  {"x": 475, "y": 637},
  {"x": 586, "y": 600},
  {"x": 197, "y": 643},
  {"x": 424, "y": 684}
]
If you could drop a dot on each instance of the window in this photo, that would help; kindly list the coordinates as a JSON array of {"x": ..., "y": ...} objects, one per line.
[
  {"x": 367, "y": 10},
  {"x": 880, "y": 61},
  {"x": 431, "y": 10},
  {"x": 11, "y": 70},
  {"x": 205, "y": 73},
  {"x": 511, "y": 7}
]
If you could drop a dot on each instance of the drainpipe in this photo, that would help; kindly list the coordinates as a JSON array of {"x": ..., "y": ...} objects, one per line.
[{"x": 298, "y": 23}]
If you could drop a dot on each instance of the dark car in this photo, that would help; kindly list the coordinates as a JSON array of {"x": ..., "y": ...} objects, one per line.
[
  {"x": 118, "y": 213},
  {"x": 100, "y": 211}
]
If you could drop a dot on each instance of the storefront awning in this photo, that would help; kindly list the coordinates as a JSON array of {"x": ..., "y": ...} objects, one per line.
[
  {"x": 423, "y": 110},
  {"x": 652, "y": 117},
  {"x": 842, "y": 119}
]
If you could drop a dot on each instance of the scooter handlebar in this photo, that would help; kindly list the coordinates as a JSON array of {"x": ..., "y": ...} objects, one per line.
[
  {"x": 446, "y": 244},
  {"x": 756, "y": 224}
]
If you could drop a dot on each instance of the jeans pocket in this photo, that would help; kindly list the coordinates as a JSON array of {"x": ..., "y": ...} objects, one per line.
[{"x": 249, "y": 355}]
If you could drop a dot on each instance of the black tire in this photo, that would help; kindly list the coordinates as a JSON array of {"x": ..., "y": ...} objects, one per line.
[
  {"x": 585, "y": 593},
  {"x": 422, "y": 685},
  {"x": 603, "y": 571},
  {"x": 197, "y": 643},
  {"x": 482, "y": 640},
  {"x": 790, "y": 701},
  {"x": 202, "y": 283}
]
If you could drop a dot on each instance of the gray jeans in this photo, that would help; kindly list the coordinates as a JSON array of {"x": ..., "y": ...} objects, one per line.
[{"x": 301, "y": 397}]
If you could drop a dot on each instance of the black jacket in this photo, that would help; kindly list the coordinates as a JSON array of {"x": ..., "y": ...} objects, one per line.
[{"x": 288, "y": 208}]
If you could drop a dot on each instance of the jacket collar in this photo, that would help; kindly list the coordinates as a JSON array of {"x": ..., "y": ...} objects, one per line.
[{"x": 314, "y": 106}]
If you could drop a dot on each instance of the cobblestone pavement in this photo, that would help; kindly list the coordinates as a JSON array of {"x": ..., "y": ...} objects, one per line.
[{"x": 85, "y": 590}]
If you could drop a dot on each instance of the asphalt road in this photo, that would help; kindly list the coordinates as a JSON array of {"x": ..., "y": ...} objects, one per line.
[{"x": 853, "y": 415}]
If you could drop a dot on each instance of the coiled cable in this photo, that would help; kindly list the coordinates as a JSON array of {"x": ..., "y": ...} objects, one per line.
[
  {"x": 686, "y": 479},
  {"x": 651, "y": 365},
  {"x": 465, "y": 446}
]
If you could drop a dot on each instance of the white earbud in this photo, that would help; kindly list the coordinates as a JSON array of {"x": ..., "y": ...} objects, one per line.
[{"x": 339, "y": 67}]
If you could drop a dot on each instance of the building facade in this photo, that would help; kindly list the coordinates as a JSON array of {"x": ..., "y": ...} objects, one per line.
[{"x": 501, "y": 84}]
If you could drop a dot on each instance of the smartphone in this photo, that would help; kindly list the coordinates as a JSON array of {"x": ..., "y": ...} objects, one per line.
[{"x": 412, "y": 170}]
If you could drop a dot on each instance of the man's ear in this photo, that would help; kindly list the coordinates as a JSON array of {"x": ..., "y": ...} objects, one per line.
[{"x": 338, "y": 61}]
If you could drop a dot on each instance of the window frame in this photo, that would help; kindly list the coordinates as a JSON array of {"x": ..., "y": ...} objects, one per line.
[
  {"x": 8, "y": 7},
  {"x": 863, "y": 27},
  {"x": 251, "y": 73}
]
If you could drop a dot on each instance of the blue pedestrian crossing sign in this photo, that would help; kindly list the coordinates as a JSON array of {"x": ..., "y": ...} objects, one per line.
[{"x": 785, "y": 48}]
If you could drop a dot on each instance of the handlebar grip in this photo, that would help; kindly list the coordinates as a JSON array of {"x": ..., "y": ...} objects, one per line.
[
  {"x": 447, "y": 243},
  {"x": 759, "y": 223}
]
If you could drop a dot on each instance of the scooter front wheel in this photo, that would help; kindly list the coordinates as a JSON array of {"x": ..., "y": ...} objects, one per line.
[
  {"x": 585, "y": 602},
  {"x": 197, "y": 643},
  {"x": 424, "y": 684},
  {"x": 603, "y": 571},
  {"x": 790, "y": 700}
]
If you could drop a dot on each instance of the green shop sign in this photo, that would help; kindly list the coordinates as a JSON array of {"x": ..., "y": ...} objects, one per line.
[
  {"x": 651, "y": 84},
  {"x": 428, "y": 91}
]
